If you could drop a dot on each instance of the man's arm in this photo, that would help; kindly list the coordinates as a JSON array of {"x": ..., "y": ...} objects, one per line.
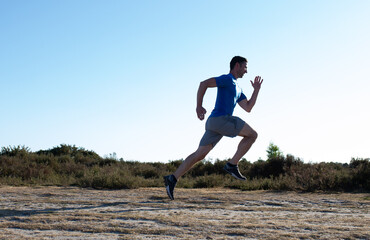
[
  {"x": 247, "y": 105},
  {"x": 209, "y": 83}
]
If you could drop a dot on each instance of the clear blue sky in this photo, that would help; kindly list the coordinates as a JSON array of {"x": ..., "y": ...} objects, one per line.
[{"x": 122, "y": 76}]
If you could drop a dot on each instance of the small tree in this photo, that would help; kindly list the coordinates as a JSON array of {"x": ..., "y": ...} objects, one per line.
[{"x": 273, "y": 151}]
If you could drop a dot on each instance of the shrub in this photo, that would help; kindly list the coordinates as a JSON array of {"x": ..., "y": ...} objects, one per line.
[
  {"x": 19, "y": 151},
  {"x": 361, "y": 173},
  {"x": 68, "y": 165},
  {"x": 209, "y": 181}
]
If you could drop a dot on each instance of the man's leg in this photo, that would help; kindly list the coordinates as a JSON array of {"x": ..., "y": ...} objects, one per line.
[
  {"x": 249, "y": 137},
  {"x": 171, "y": 180},
  {"x": 193, "y": 158}
]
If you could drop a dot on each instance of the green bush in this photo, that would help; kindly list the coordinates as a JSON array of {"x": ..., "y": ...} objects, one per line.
[
  {"x": 16, "y": 151},
  {"x": 209, "y": 181}
]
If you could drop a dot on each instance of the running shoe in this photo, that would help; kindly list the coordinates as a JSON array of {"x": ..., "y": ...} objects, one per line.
[
  {"x": 170, "y": 183},
  {"x": 234, "y": 171}
]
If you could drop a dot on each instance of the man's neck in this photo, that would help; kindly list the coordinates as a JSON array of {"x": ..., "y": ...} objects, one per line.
[{"x": 234, "y": 74}]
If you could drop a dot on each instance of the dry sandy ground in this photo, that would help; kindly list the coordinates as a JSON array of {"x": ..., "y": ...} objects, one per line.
[{"x": 75, "y": 213}]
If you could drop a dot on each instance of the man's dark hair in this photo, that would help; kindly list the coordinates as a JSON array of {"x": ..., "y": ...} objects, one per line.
[{"x": 236, "y": 59}]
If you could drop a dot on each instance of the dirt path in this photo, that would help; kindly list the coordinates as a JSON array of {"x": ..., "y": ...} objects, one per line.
[{"x": 75, "y": 213}]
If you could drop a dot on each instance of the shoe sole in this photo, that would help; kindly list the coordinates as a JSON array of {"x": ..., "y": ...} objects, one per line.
[{"x": 235, "y": 176}]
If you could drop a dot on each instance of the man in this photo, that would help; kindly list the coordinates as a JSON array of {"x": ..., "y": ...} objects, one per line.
[{"x": 221, "y": 122}]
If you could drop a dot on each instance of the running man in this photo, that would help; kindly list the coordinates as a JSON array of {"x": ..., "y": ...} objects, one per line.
[{"x": 221, "y": 122}]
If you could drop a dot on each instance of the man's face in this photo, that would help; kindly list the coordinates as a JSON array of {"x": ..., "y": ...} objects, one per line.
[{"x": 242, "y": 69}]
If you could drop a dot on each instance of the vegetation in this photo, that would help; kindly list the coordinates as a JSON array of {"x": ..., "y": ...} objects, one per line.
[{"x": 67, "y": 165}]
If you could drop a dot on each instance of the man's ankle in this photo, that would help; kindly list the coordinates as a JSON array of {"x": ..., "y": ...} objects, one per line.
[
  {"x": 174, "y": 178},
  {"x": 231, "y": 164}
]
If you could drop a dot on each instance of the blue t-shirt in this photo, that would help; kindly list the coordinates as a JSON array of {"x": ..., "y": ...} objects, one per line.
[{"x": 228, "y": 94}]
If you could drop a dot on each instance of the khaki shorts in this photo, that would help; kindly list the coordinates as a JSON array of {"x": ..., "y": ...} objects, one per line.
[{"x": 217, "y": 127}]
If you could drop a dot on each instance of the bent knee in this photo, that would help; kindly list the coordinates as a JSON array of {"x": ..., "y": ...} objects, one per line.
[
  {"x": 202, "y": 151},
  {"x": 254, "y": 135}
]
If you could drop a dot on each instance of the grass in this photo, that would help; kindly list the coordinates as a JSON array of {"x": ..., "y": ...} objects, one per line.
[{"x": 216, "y": 213}]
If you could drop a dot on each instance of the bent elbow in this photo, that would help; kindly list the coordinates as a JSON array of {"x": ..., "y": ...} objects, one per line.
[
  {"x": 248, "y": 108},
  {"x": 203, "y": 85}
]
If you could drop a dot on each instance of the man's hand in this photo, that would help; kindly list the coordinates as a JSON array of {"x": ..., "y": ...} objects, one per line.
[
  {"x": 247, "y": 105},
  {"x": 201, "y": 111},
  {"x": 257, "y": 83}
]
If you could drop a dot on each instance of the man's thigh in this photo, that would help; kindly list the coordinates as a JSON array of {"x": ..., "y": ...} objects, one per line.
[
  {"x": 210, "y": 138},
  {"x": 247, "y": 131},
  {"x": 229, "y": 126}
]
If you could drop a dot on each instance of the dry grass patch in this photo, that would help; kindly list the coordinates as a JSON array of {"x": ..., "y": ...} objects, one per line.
[{"x": 75, "y": 213}]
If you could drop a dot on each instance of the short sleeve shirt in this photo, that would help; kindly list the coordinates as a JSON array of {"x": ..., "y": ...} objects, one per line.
[{"x": 228, "y": 95}]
